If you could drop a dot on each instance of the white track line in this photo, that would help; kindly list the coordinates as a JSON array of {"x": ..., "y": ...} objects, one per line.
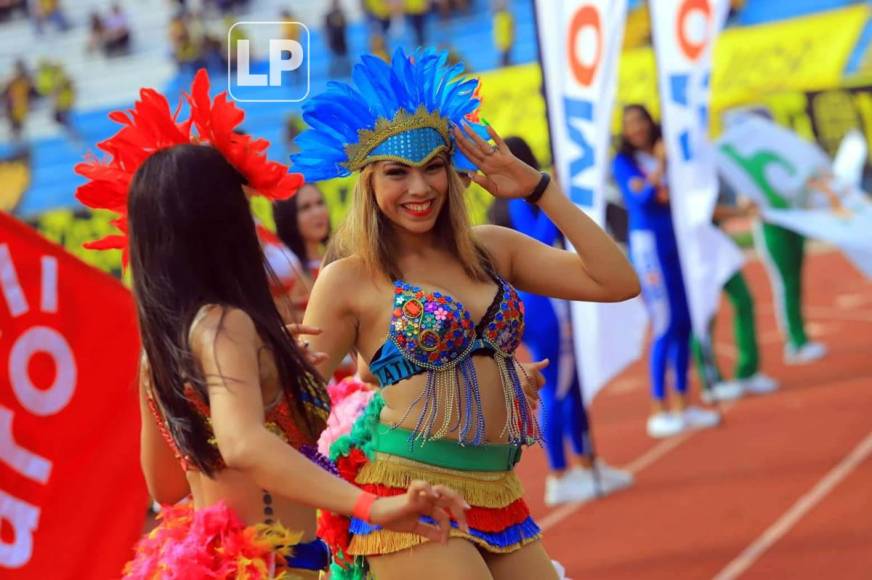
[
  {"x": 802, "y": 506},
  {"x": 557, "y": 515},
  {"x": 656, "y": 452}
]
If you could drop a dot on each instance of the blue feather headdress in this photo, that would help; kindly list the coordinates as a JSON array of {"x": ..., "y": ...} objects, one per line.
[{"x": 401, "y": 111}]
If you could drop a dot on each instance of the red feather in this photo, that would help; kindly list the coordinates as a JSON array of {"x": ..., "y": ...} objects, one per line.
[{"x": 150, "y": 126}]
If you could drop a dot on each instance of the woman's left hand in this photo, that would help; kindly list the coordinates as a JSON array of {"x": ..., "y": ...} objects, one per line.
[
  {"x": 533, "y": 380},
  {"x": 503, "y": 175}
]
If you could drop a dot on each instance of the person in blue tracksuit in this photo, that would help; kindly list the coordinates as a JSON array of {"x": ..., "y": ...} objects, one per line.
[
  {"x": 548, "y": 335},
  {"x": 639, "y": 169}
]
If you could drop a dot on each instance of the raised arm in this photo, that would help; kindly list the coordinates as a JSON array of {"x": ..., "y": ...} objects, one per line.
[
  {"x": 536, "y": 224},
  {"x": 331, "y": 309},
  {"x": 633, "y": 185},
  {"x": 598, "y": 272}
]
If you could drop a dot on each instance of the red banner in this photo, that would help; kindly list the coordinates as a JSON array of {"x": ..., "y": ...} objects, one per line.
[{"x": 72, "y": 498}]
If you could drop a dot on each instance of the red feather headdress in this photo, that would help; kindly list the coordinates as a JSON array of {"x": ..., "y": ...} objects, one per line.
[{"x": 150, "y": 126}]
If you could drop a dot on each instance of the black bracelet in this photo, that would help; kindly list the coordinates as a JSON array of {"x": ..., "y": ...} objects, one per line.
[{"x": 540, "y": 188}]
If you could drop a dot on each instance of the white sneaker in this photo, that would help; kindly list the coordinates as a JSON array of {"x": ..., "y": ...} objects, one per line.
[
  {"x": 611, "y": 479},
  {"x": 665, "y": 424},
  {"x": 723, "y": 391},
  {"x": 699, "y": 418},
  {"x": 570, "y": 488},
  {"x": 759, "y": 384},
  {"x": 810, "y": 351}
]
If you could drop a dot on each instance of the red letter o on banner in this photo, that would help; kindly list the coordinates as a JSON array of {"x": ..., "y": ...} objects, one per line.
[
  {"x": 693, "y": 50},
  {"x": 586, "y": 16}
]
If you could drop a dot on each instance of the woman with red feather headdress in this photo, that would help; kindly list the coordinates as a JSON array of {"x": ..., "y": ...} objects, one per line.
[{"x": 231, "y": 406}]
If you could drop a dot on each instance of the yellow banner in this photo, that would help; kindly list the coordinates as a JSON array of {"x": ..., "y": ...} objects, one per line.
[
  {"x": 801, "y": 54},
  {"x": 71, "y": 229},
  {"x": 824, "y": 116}
]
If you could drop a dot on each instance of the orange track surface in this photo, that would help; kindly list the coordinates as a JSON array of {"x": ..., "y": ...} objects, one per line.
[{"x": 700, "y": 500}]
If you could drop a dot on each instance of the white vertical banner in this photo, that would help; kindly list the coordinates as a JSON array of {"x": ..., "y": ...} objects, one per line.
[
  {"x": 684, "y": 33},
  {"x": 580, "y": 43}
]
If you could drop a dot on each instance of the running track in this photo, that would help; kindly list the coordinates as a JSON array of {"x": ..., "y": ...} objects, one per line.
[{"x": 782, "y": 490}]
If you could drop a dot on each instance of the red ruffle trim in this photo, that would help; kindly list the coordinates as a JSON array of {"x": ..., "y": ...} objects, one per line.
[{"x": 484, "y": 519}]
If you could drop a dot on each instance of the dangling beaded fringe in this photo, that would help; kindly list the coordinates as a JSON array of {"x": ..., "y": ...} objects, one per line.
[
  {"x": 521, "y": 425},
  {"x": 445, "y": 385}
]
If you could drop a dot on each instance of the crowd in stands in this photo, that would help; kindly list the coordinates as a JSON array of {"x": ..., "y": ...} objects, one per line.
[
  {"x": 40, "y": 13},
  {"x": 197, "y": 35},
  {"x": 50, "y": 82},
  {"x": 109, "y": 34}
]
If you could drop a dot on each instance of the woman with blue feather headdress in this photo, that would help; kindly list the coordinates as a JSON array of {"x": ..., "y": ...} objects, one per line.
[{"x": 432, "y": 304}]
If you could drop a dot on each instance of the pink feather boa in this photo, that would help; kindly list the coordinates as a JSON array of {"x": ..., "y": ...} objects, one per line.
[
  {"x": 349, "y": 397},
  {"x": 209, "y": 543}
]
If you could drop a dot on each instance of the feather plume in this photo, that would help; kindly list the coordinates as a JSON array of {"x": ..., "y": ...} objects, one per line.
[
  {"x": 149, "y": 127},
  {"x": 343, "y": 120}
]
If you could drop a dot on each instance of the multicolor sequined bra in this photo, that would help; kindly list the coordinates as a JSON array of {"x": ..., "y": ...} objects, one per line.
[
  {"x": 434, "y": 333},
  {"x": 279, "y": 419}
]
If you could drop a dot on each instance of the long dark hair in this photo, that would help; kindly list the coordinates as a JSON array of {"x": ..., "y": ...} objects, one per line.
[
  {"x": 193, "y": 243},
  {"x": 624, "y": 146},
  {"x": 498, "y": 212},
  {"x": 286, "y": 215}
]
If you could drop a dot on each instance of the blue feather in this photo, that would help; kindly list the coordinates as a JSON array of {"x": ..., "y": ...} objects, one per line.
[{"x": 379, "y": 91}]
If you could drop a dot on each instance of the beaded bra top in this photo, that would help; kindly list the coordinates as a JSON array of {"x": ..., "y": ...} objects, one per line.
[
  {"x": 433, "y": 333},
  {"x": 279, "y": 419}
]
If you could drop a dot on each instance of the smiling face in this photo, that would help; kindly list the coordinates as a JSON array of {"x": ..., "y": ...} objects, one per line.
[
  {"x": 313, "y": 220},
  {"x": 411, "y": 197}
]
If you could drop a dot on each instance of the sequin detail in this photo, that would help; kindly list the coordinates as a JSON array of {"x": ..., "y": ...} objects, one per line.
[
  {"x": 436, "y": 333},
  {"x": 279, "y": 420},
  {"x": 416, "y": 145},
  {"x": 506, "y": 328}
]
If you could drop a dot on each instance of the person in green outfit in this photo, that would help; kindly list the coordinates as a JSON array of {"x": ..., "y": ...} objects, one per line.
[
  {"x": 783, "y": 250},
  {"x": 748, "y": 379}
]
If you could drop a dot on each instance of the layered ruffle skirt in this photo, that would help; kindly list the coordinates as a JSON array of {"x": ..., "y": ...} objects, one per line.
[{"x": 382, "y": 460}]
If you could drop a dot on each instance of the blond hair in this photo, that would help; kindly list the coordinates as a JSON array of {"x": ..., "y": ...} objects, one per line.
[{"x": 367, "y": 233}]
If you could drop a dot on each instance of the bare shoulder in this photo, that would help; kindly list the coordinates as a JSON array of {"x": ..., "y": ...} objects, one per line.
[
  {"x": 344, "y": 281},
  {"x": 491, "y": 234},
  {"x": 342, "y": 271},
  {"x": 499, "y": 242},
  {"x": 215, "y": 321}
]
